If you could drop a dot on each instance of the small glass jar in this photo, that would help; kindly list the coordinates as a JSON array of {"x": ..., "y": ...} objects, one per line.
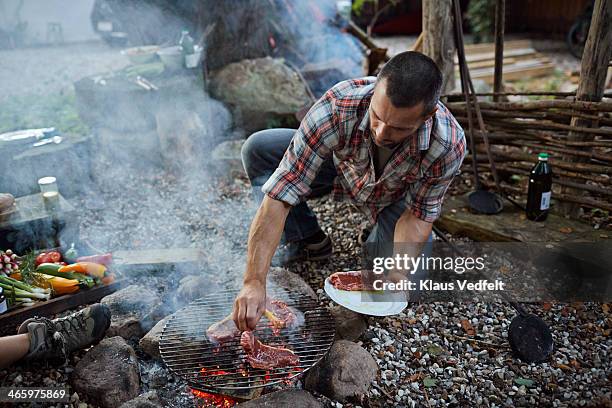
[
  {"x": 47, "y": 184},
  {"x": 51, "y": 200},
  {"x": 3, "y": 304}
]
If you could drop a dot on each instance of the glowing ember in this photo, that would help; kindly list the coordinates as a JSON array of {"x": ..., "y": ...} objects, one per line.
[
  {"x": 206, "y": 400},
  {"x": 211, "y": 371}
]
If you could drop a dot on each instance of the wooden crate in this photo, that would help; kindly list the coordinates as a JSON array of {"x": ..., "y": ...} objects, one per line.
[{"x": 10, "y": 320}]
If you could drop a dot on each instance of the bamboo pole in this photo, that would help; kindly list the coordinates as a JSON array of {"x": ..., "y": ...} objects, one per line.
[
  {"x": 537, "y": 93},
  {"x": 500, "y": 9},
  {"x": 546, "y": 104},
  {"x": 529, "y": 134},
  {"x": 584, "y": 201},
  {"x": 560, "y": 173},
  {"x": 544, "y": 124},
  {"x": 562, "y": 150},
  {"x": 572, "y": 166},
  {"x": 557, "y": 114},
  {"x": 557, "y": 180}
]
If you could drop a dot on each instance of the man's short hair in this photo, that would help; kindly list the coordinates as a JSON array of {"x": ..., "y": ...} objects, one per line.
[{"x": 412, "y": 78}]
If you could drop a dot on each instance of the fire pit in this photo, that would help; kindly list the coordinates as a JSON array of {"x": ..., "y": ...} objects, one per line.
[{"x": 223, "y": 368}]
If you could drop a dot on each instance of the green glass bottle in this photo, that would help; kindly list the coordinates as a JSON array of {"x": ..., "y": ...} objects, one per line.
[{"x": 540, "y": 189}]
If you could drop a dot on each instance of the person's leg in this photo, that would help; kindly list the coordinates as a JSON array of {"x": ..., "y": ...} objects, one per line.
[
  {"x": 13, "y": 348},
  {"x": 380, "y": 241},
  {"x": 261, "y": 155}
]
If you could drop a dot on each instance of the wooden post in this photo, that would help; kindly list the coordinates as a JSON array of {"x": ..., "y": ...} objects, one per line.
[
  {"x": 438, "y": 42},
  {"x": 500, "y": 11},
  {"x": 595, "y": 60}
]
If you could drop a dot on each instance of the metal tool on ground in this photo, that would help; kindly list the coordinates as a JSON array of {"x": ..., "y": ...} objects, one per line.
[
  {"x": 529, "y": 336},
  {"x": 481, "y": 201}
]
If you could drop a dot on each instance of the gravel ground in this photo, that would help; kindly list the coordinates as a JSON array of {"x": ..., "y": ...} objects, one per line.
[{"x": 423, "y": 354}]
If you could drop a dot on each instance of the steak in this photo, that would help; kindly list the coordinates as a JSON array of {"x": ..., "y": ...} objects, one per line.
[
  {"x": 266, "y": 357},
  {"x": 222, "y": 331},
  {"x": 347, "y": 280},
  {"x": 280, "y": 315}
]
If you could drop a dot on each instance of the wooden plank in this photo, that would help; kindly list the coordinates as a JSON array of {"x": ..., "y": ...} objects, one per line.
[
  {"x": 516, "y": 71},
  {"x": 157, "y": 256},
  {"x": 490, "y": 63},
  {"x": 490, "y": 47},
  {"x": 10, "y": 320},
  {"x": 510, "y": 225},
  {"x": 521, "y": 52}
]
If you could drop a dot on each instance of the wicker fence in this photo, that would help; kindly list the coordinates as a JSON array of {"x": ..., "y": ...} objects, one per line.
[{"x": 517, "y": 131}]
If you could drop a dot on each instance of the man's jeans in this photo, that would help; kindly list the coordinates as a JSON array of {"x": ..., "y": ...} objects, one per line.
[{"x": 261, "y": 155}]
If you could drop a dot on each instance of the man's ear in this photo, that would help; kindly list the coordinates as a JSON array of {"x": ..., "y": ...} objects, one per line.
[{"x": 430, "y": 114}]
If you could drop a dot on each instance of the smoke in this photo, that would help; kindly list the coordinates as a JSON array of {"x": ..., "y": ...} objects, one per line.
[{"x": 143, "y": 176}]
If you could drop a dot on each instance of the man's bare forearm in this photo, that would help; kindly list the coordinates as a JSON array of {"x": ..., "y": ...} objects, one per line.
[
  {"x": 412, "y": 230},
  {"x": 264, "y": 236},
  {"x": 410, "y": 235}
]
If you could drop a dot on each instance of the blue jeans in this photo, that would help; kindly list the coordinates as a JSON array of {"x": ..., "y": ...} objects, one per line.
[{"x": 261, "y": 155}]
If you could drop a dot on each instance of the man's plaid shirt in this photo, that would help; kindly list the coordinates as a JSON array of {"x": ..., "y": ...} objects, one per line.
[{"x": 338, "y": 126}]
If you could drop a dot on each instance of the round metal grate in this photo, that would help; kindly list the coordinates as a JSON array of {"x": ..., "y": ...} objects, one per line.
[{"x": 187, "y": 352}]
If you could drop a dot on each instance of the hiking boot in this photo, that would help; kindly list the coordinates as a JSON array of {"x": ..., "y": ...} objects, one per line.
[
  {"x": 302, "y": 251},
  {"x": 56, "y": 339}
]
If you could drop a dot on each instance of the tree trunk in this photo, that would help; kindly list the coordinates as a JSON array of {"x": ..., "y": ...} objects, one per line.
[
  {"x": 595, "y": 60},
  {"x": 438, "y": 42}
]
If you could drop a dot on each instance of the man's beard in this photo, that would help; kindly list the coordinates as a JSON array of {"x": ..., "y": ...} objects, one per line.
[{"x": 385, "y": 144}]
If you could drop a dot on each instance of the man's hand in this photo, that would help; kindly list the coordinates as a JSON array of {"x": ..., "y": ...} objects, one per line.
[{"x": 249, "y": 305}]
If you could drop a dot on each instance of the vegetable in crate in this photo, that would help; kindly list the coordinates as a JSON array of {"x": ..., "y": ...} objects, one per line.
[
  {"x": 53, "y": 270},
  {"x": 48, "y": 257},
  {"x": 9, "y": 262},
  {"x": 102, "y": 259},
  {"x": 92, "y": 269},
  {"x": 62, "y": 286},
  {"x": 20, "y": 290}
]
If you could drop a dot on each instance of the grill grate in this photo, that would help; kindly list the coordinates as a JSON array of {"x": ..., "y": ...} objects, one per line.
[{"x": 186, "y": 350}]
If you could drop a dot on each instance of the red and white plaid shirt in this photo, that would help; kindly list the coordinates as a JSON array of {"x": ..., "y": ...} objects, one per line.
[{"x": 338, "y": 126}]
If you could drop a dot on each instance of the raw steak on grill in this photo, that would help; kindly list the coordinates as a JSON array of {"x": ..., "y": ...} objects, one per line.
[
  {"x": 280, "y": 315},
  {"x": 266, "y": 357},
  {"x": 222, "y": 331},
  {"x": 347, "y": 280}
]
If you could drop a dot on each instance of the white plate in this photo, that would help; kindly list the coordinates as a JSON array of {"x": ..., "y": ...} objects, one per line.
[{"x": 365, "y": 302}]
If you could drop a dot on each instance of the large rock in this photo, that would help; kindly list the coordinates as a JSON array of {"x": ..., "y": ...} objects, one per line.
[
  {"x": 193, "y": 287},
  {"x": 349, "y": 325},
  {"x": 146, "y": 400},
  {"x": 135, "y": 309},
  {"x": 259, "y": 90},
  {"x": 150, "y": 342},
  {"x": 286, "y": 398},
  {"x": 284, "y": 279},
  {"x": 108, "y": 374},
  {"x": 345, "y": 373}
]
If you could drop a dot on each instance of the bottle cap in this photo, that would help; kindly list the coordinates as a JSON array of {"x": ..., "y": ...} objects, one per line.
[{"x": 543, "y": 156}]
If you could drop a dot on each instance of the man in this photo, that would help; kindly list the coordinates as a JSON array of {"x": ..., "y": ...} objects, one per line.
[
  {"x": 40, "y": 338},
  {"x": 387, "y": 144}
]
